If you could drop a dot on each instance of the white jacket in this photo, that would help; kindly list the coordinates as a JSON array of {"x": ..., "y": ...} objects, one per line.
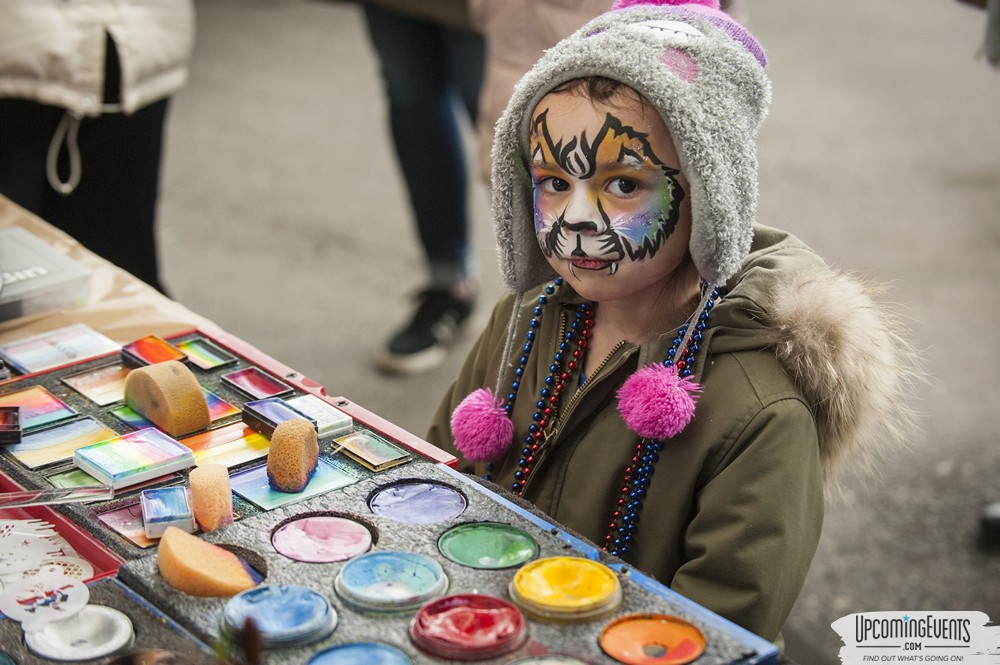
[{"x": 53, "y": 51}]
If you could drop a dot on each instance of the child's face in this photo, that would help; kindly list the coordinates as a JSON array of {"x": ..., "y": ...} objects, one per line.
[{"x": 611, "y": 213}]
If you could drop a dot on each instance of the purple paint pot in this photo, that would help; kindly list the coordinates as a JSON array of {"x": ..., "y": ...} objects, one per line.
[
  {"x": 321, "y": 539},
  {"x": 417, "y": 502}
]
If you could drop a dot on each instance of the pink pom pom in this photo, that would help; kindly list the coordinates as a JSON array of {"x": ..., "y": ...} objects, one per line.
[
  {"x": 482, "y": 430},
  {"x": 656, "y": 402},
  {"x": 623, "y": 4}
]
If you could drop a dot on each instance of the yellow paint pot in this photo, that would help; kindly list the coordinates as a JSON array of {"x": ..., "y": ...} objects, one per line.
[{"x": 566, "y": 589}]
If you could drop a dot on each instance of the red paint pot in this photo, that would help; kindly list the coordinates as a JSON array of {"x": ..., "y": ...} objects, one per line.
[{"x": 468, "y": 627}]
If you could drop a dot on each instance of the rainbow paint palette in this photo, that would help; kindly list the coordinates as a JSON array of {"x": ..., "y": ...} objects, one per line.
[
  {"x": 149, "y": 351},
  {"x": 102, "y": 385},
  {"x": 58, "y": 443},
  {"x": 256, "y": 383},
  {"x": 133, "y": 458},
  {"x": 204, "y": 354},
  {"x": 38, "y": 407}
]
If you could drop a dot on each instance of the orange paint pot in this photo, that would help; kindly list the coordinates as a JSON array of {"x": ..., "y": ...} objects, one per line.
[{"x": 652, "y": 639}]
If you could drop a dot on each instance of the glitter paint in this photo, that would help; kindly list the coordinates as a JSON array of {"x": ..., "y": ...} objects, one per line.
[
  {"x": 322, "y": 539},
  {"x": 390, "y": 581},
  {"x": 488, "y": 545},
  {"x": 417, "y": 502},
  {"x": 652, "y": 639},
  {"x": 468, "y": 626}
]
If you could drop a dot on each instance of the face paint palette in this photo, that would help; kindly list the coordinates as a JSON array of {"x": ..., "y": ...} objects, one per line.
[
  {"x": 481, "y": 542},
  {"x": 390, "y": 581},
  {"x": 413, "y": 501},
  {"x": 165, "y": 507},
  {"x": 204, "y": 354},
  {"x": 284, "y": 614},
  {"x": 468, "y": 627},
  {"x": 133, "y": 458},
  {"x": 488, "y": 545},
  {"x": 10, "y": 424},
  {"x": 652, "y": 639},
  {"x": 38, "y": 407},
  {"x": 322, "y": 538},
  {"x": 263, "y": 415},
  {"x": 256, "y": 383},
  {"x": 371, "y": 450},
  {"x": 58, "y": 443},
  {"x": 103, "y": 385},
  {"x": 150, "y": 350},
  {"x": 566, "y": 589}
]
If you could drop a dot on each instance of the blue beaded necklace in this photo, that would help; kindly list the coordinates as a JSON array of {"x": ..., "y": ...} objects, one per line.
[{"x": 623, "y": 528}]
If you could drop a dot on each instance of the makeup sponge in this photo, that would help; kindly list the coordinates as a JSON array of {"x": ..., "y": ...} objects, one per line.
[
  {"x": 293, "y": 455},
  {"x": 199, "y": 568},
  {"x": 211, "y": 496},
  {"x": 168, "y": 394}
]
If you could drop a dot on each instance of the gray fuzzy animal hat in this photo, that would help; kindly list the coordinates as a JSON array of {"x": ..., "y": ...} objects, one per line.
[{"x": 703, "y": 72}]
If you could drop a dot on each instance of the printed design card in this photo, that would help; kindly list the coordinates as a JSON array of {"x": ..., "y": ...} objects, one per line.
[
  {"x": 252, "y": 485},
  {"x": 39, "y": 407},
  {"x": 57, "y": 443},
  {"x": 56, "y": 347},
  {"x": 102, "y": 386}
]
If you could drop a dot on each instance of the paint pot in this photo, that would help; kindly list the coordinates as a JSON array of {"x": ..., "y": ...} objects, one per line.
[
  {"x": 360, "y": 653},
  {"x": 151, "y": 657},
  {"x": 468, "y": 627},
  {"x": 566, "y": 588},
  {"x": 652, "y": 639},
  {"x": 487, "y": 545},
  {"x": 93, "y": 632},
  {"x": 284, "y": 614},
  {"x": 390, "y": 581},
  {"x": 321, "y": 539},
  {"x": 417, "y": 502},
  {"x": 548, "y": 659}
]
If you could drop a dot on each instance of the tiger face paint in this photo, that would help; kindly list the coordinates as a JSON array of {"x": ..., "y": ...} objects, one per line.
[{"x": 609, "y": 195}]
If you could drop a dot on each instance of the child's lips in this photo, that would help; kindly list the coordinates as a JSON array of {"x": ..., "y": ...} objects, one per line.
[{"x": 589, "y": 264}]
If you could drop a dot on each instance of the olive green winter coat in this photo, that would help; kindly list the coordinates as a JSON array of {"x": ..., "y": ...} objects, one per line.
[{"x": 735, "y": 506}]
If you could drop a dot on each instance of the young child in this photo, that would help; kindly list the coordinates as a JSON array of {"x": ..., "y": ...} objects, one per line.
[{"x": 667, "y": 378}]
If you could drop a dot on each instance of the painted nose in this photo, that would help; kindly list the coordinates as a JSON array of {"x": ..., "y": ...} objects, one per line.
[{"x": 582, "y": 216}]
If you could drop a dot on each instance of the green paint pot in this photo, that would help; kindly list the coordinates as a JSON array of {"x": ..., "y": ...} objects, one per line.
[{"x": 487, "y": 545}]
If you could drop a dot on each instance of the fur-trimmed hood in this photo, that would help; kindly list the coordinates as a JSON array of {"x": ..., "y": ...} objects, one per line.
[{"x": 843, "y": 348}]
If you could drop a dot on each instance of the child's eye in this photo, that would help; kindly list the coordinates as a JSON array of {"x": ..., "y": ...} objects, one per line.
[
  {"x": 552, "y": 185},
  {"x": 622, "y": 186}
]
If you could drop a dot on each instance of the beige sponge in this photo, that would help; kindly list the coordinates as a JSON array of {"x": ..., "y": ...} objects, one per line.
[
  {"x": 292, "y": 457},
  {"x": 211, "y": 496},
  {"x": 168, "y": 394},
  {"x": 197, "y": 567}
]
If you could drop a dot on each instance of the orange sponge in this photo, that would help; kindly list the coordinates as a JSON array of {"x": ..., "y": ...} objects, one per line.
[
  {"x": 211, "y": 496},
  {"x": 293, "y": 455},
  {"x": 197, "y": 567},
  {"x": 168, "y": 394}
]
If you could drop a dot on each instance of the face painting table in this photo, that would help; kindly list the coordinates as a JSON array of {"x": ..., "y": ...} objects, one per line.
[{"x": 389, "y": 555}]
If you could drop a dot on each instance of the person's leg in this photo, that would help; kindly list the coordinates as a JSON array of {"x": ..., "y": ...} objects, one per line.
[
  {"x": 425, "y": 129},
  {"x": 26, "y": 129},
  {"x": 426, "y": 133}
]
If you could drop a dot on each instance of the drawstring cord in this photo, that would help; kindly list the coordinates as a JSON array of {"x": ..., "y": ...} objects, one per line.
[{"x": 68, "y": 131}]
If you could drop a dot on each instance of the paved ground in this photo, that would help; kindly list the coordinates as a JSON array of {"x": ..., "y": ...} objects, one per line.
[{"x": 283, "y": 219}]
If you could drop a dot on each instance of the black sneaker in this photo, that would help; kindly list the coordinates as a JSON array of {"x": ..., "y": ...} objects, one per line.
[{"x": 423, "y": 344}]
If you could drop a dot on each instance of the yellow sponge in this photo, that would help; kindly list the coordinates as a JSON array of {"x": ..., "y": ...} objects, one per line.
[
  {"x": 197, "y": 567},
  {"x": 168, "y": 394},
  {"x": 293, "y": 455},
  {"x": 211, "y": 496}
]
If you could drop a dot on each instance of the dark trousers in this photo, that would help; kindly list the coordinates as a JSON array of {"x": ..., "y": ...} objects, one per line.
[{"x": 113, "y": 209}]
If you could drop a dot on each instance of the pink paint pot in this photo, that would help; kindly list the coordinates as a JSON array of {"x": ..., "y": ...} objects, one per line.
[
  {"x": 468, "y": 627},
  {"x": 321, "y": 538}
]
